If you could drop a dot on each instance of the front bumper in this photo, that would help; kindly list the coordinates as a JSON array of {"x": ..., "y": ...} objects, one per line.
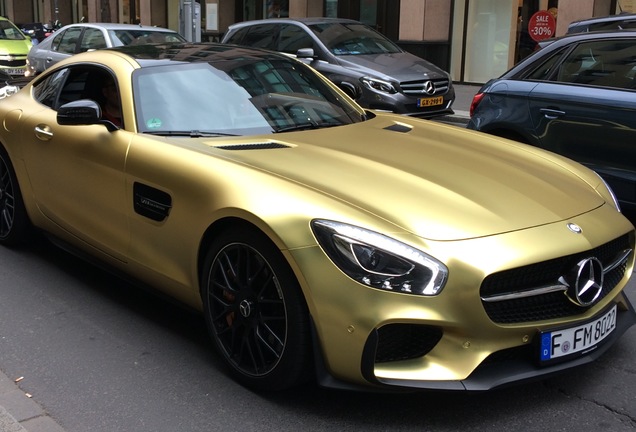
[
  {"x": 400, "y": 103},
  {"x": 450, "y": 341},
  {"x": 516, "y": 365}
]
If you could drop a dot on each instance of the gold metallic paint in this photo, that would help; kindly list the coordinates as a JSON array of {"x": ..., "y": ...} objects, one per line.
[{"x": 477, "y": 203}]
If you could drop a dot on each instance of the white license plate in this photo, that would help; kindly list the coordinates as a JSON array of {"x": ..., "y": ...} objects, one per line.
[
  {"x": 560, "y": 343},
  {"x": 14, "y": 71}
]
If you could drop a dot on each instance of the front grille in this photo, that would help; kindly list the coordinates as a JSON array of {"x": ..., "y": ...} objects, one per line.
[
  {"x": 13, "y": 63},
  {"x": 405, "y": 341},
  {"x": 549, "y": 305},
  {"x": 416, "y": 88}
]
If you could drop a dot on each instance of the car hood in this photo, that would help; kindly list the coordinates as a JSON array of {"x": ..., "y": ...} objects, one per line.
[
  {"x": 399, "y": 66},
  {"x": 15, "y": 47},
  {"x": 437, "y": 181}
]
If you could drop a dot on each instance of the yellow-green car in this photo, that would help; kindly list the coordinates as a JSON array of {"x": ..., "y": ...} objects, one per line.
[
  {"x": 14, "y": 47},
  {"x": 320, "y": 241}
]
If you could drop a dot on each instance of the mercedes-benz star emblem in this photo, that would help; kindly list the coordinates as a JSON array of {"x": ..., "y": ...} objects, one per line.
[
  {"x": 429, "y": 88},
  {"x": 575, "y": 228},
  {"x": 245, "y": 308},
  {"x": 585, "y": 282}
]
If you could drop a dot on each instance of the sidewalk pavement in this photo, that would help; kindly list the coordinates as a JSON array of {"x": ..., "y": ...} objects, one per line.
[
  {"x": 463, "y": 97},
  {"x": 21, "y": 413}
]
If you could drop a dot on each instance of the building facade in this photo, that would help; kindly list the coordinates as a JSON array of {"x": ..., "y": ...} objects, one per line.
[{"x": 474, "y": 40}]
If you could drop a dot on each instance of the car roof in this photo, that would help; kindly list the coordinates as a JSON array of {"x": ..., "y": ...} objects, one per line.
[
  {"x": 609, "y": 18},
  {"x": 157, "y": 54},
  {"x": 558, "y": 43},
  {"x": 116, "y": 26},
  {"x": 306, "y": 21},
  {"x": 601, "y": 34}
]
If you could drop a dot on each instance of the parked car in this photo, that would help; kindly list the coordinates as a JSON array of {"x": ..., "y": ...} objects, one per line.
[
  {"x": 624, "y": 21},
  {"x": 319, "y": 239},
  {"x": 76, "y": 38},
  {"x": 14, "y": 47},
  {"x": 362, "y": 62},
  {"x": 576, "y": 97}
]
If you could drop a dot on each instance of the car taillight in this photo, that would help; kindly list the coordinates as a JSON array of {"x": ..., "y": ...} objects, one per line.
[{"x": 476, "y": 99}]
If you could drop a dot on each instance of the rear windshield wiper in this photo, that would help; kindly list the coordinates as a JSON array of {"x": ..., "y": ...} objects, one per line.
[{"x": 191, "y": 134}]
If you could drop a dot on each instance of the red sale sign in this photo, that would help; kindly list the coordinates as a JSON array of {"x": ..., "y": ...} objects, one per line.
[{"x": 541, "y": 25}]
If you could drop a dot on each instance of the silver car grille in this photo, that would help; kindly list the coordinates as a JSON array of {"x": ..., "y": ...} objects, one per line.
[{"x": 425, "y": 87}]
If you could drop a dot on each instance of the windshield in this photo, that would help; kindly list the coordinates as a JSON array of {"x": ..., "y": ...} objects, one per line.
[
  {"x": 237, "y": 97},
  {"x": 9, "y": 31},
  {"x": 353, "y": 39},
  {"x": 143, "y": 36}
]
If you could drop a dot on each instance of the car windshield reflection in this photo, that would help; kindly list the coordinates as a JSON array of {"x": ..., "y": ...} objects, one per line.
[
  {"x": 353, "y": 39},
  {"x": 248, "y": 97}
]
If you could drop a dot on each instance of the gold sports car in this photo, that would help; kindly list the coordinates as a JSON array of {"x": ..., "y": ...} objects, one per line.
[{"x": 320, "y": 241}]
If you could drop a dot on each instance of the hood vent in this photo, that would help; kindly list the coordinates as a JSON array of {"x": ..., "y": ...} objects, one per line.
[
  {"x": 254, "y": 146},
  {"x": 399, "y": 127}
]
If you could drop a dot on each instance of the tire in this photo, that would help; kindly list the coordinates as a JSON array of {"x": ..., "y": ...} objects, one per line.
[
  {"x": 255, "y": 311},
  {"x": 14, "y": 223}
]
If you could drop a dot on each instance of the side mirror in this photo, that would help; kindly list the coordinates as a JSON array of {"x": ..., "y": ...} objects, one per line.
[
  {"x": 306, "y": 53},
  {"x": 82, "y": 112}
]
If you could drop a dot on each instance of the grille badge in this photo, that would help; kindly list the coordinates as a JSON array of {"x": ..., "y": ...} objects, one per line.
[
  {"x": 585, "y": 282},
  {"x": 429, "y": 87},
  {"x": 575, "y": 228}
]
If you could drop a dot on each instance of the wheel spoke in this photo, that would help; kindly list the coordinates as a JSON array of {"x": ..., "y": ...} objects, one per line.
[
  {"x": 4, "y": 176},
  {"x": 270, "y": 340},
  {"x": 7, "y": 210}
]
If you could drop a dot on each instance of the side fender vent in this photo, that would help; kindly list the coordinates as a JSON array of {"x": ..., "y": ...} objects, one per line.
[{"x": 150, "y": 202}]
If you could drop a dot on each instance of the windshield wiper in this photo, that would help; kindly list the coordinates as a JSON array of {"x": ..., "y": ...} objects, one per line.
[
  {"x": 306, "y": 126},
  {"x": 191, "y": 134}
]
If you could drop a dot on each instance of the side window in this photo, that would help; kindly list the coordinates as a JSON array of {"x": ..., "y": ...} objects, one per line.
[
  {"x": 81, "y": 82},
  {"x": 262, "y": 36},
  {"x": 47, "y": 90},
  {"x": 628, "y": 25},
  {"x": 547, "y": 68},
  {"x": 55, "y": 44},
  {"x": 237, "y": 37},
  {"x": 610, "y": 63},
  {"x": 69, "y": 41},
  {"x": 92, "y": 39},
  {"x": 293, "y": 38}
]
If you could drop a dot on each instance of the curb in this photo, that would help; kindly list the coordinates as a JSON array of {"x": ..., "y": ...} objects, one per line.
[{"x": 20, "y": 413}]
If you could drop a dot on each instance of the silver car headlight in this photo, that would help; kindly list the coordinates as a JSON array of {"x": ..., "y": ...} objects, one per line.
[
  {"x": 379, "y": 261},
  {"x": 378, "y": 85}
]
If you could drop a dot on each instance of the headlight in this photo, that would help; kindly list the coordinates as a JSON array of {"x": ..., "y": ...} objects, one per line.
[
  {"x": 379, "y": 261},
  {"x": 378, "y": 85},
  {"x": 608, "y": 194}
]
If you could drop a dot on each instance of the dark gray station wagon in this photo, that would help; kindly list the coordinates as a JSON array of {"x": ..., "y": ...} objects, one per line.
[
  {"x": 364, "y": 63},
  {"x": 575, "y": 97}
]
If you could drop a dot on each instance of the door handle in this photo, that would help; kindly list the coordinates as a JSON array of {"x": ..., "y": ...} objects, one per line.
[
  {"x": 551, "y": 113},
  {"x": 43, "y": 132}
]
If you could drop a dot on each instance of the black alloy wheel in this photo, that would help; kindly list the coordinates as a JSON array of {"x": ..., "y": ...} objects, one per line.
[
  {"x": 255, "y": 311},
  {"x": 14, "y": 224}
]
